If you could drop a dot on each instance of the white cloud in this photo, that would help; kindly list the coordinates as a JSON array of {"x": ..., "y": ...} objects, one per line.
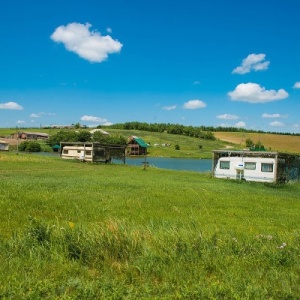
[
  {"x": 227, "y": 117},
  {"x": 240, "y": 124},
  {"x": 277, "y": 124},
  {"x": 109, "y": 30},
  {"x": 90, "y": 45},
  {"x": 21, "y": 122},
  {"x": 297, "y": 85},
  {"x": 265, "y": 115},
  {"x": 10, "y": 105},
  {"x": 34, "y": 116},
  {"x": 194, "y": 104},
  {"x": 172, "y": 107},
  {"x": 254, "y": 93},
  {"x": 253, "y": 62},
  {"x": 93, "y": 119}
]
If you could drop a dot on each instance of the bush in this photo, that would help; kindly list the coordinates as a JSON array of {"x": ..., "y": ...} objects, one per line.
[
  {"x": 177, "y": 147},
  {"x": 30, "y": 146}
]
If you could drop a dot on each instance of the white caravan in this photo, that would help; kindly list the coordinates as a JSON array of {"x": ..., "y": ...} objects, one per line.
[
  {"x": 246, "y": 168},
  {"x": 79, "y": 152}
]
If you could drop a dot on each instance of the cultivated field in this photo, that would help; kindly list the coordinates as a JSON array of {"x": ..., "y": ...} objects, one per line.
[
  {"x": 273, "y": 142},
  {"x": 71, "y": 230}
]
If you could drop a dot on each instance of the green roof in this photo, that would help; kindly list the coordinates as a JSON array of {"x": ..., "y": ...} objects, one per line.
[{"x": 141, "y": 142}]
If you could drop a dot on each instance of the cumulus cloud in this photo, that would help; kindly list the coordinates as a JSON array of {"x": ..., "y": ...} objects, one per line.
[
  {"x": 93, "y": 119},
  {"x": 227, "y": 117},
  {"x": 254, "y": 93},
  {"x": 34, "y": 116},
  {"x": 194, "y": 104},
  {"x": 10, "y": 105},
  {"x": 253, "y": 62},
  {"x": 297, "y": 85},
  {"x": 240, "y": 124},
  {"x": 277, "y": 124},
  {"x": 171, "y": 107},
  {"x": 21, "y": 122},
  {"x": 90, "y": 45},
  {"x": 265, "y": 115}
]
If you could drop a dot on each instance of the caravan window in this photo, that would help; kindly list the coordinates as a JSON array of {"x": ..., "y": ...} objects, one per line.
[
  {"x": 66, "y": 151},
  {"x": 224, "y": 165},
  {"x": 250, "y": 165},
  {"x": 267, "y": 167}
]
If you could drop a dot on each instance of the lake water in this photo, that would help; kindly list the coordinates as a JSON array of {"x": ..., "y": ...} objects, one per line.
[
  {"x": 178, "y": 164},
  {"x": 181, "y": 164}
]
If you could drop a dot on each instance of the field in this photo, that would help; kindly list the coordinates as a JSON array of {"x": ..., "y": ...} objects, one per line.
[
  {"x": 71, "y": 230},
  {"x": 272, "y": 142}
]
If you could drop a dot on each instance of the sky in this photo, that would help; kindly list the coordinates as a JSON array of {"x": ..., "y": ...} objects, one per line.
[{"x": 232, "y": 63}]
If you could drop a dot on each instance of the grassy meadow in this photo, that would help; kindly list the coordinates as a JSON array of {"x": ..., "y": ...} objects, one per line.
[{"x": 71, "y": 230}]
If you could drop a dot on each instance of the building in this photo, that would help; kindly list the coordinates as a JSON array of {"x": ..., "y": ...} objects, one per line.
[
  {"x": 31, "y": 135},
  {"x": 4, "y": 146},
  {"x": 136, "y": 146}
]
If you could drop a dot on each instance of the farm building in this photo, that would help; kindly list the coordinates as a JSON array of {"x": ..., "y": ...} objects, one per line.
[
  {"x": 136, "y": 146},
  {"x": 4, "y": 146},
  {"x": 256, "y": 166},
  {"x": 31, "y": 135},
  {"x": 92, "y": 152}
]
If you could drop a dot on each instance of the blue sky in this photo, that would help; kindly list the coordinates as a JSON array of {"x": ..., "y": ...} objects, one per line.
[{"x": 211, "y": 63}]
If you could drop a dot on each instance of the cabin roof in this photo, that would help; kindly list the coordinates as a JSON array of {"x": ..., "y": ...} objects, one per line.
[{"x": 141, "y": 142}]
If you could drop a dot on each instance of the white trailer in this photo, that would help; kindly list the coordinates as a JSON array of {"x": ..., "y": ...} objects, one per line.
[
  {"x": 79, "y": 152},
  {"x": 261, "y": 169}
]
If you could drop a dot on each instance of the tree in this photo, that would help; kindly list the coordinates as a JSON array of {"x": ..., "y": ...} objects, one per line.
[{"x": 249, "y": 142}]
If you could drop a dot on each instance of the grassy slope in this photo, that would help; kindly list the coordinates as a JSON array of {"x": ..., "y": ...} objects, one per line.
[
  {"x": 189, "y": 147},
  {"x": 274, "y": 142},
  {"x": 116, "y": 231}
]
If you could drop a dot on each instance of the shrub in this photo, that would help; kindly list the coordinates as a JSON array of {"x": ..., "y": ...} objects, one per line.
[{"x": 30, "y": 146}]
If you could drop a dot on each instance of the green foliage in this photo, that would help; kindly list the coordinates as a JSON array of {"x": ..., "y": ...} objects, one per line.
[
  {"x": 249, "y": 143},
  {"x": 105, "y": 139},
  {"x": 69, "y": 136},
  {"x": 30, "y": 146},
  {"x": 177, "y": 147}
]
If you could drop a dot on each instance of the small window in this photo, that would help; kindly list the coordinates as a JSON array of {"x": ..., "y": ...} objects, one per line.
[
  {"x": 250, "y": 166},
  {"x": 66, "y": 152},
  {"x": 224, "y": 165},
  {"x": 78, "y": 151},
  {"x": 88, "y": 152},
  {"x": 267, "y": 168}
]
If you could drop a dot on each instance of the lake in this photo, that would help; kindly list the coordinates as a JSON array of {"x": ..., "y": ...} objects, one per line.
[{"x": 179, "y": 164}]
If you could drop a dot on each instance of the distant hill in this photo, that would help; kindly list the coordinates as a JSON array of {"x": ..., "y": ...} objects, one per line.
[{"x": 273, "y": 142}]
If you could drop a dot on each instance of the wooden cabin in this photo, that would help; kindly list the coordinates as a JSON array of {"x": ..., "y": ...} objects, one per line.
[{"x": 136, "y": 146}]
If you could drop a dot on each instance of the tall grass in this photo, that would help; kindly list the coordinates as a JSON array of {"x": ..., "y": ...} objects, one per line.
[{"x": 71, "y": 230}]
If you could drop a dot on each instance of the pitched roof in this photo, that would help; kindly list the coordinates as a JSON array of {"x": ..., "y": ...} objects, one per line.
[{"x": 141, "y": 142}]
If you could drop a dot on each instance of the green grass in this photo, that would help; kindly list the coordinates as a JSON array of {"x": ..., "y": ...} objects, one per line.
[{"x": 71, "y": 230}]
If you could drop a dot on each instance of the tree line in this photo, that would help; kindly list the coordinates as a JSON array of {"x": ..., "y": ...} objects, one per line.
[{"x": 205, "y": 132}]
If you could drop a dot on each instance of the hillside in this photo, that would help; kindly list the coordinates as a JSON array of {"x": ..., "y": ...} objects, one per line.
[
  {"x": 190, "y": 146},
  {"x": 273, "y": 142}
]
